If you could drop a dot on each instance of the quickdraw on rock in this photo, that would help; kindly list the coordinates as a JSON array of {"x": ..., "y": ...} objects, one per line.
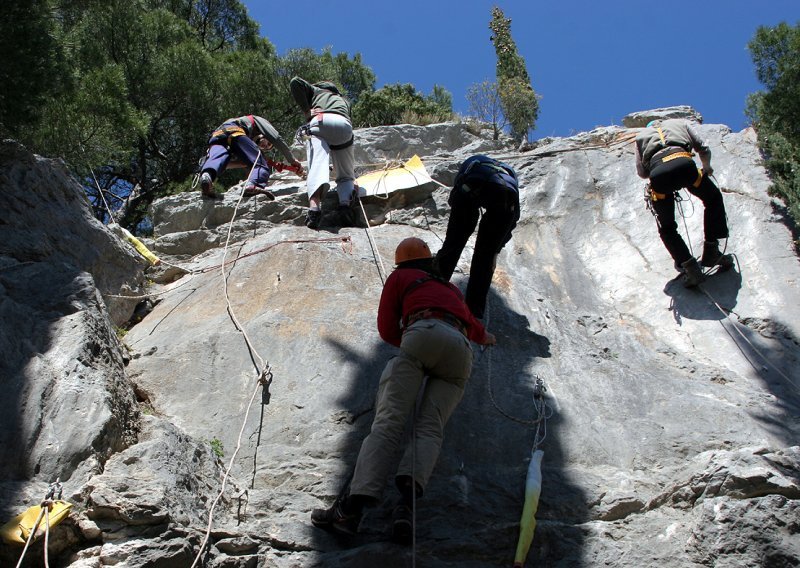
[
  {"x": 37, "y": 520},
  {"x": 21, "y": 527}
]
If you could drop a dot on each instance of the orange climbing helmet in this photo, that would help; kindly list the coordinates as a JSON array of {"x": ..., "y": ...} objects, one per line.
[{"x": 411, "y": 248}]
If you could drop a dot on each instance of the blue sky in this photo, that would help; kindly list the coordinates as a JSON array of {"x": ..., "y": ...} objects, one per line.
[{"x": 591, "y": 62}]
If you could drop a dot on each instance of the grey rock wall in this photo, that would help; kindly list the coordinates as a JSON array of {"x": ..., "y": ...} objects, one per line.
[{"x": 673, "y": 438}]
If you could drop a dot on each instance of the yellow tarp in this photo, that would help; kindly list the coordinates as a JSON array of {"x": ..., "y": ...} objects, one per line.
[
  {"x": 383, "y": 182},
  {"x": 18, "y": 529}
]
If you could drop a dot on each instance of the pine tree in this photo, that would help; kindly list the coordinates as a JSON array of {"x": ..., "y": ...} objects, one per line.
[
  {"x": 776, "y": 112},
  {"x": 518, "y": 99}
]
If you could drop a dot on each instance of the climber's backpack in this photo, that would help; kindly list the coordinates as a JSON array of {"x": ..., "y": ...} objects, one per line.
[{"x": 480, "y": 171}]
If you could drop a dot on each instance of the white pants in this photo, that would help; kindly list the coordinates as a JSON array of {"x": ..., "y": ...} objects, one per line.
[{"x": 326, "y": 130}]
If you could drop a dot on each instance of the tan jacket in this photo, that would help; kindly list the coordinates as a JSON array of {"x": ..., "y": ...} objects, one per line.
[{"x": 666, "y": 133}]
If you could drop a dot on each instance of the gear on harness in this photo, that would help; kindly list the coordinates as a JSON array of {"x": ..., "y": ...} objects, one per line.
[
  {"x": 199, "y": 170},
  {"x": 303, "y": 134}
]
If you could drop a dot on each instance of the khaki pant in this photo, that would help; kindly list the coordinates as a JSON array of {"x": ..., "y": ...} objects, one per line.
[{"x": 429, "y": 348}]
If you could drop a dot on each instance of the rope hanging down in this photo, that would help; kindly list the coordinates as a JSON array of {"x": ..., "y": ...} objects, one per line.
[
  {"x": 755, "y": 349},
  {"x": 375, "y": 252},
  {"x": 533, "y": 480},
  {"x": 263, "y": 373},
  {"x": 51, "y": 499},
  {"x": 726, "y": 313},
  {"x": 263, "y": 369},
  {"x": 542, "y": 410}
]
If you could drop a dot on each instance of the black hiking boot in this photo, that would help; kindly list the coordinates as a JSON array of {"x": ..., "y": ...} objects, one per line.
[
  {"x": 692, "y": 273},
  {"x": 713, "y": 257},
  {"x": 313, "y": 219},
  {"x": 344, "y": 216},
  {"x": 402, "y": 525},
  {"x": 336, "y": 520}
]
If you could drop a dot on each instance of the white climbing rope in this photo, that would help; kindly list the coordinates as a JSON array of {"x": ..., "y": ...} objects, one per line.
[
  {"x": 736, "y": 326},
  {"x": 44, "y": 512},
  {"x": 726, "y": 313},
  {"x": 542, "y": 410},
  {"x": 375, "y": 252},
  {"x": 263, "y": 371}
]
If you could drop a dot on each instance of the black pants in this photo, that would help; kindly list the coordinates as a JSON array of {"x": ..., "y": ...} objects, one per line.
[
  {"x": 667, "y": 178},
  {"x": 500, "y": 218}
]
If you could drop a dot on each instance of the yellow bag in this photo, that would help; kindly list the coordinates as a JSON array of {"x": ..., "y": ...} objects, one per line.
[{"x": 18, "y": 529}]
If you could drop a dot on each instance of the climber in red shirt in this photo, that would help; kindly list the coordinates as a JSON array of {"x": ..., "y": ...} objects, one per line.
[{"x": 426, "y": 317}]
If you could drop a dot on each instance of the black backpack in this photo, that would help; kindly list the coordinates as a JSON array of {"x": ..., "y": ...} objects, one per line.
[{"x": 479, "y": 171}]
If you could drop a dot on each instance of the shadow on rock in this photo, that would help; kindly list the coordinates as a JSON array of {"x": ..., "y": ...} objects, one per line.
[
  {"x": 712, "y": 300},
  {"x": 472, "y": 506},
  {"x": 480, "y": 478}
]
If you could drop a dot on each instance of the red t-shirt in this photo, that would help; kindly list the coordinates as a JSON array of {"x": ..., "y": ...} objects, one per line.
[{"x": 397, "y": 303}]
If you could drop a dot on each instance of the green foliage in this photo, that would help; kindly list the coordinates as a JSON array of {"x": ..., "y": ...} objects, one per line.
[
  {"x": 402, "y": 104},
  {"x": 351, "y": 76},
  {"x": 220, "y": 25},
  {"x": 128, "y": 91},
  {"x": 518, "y": 100},
  {"x": 34, "y": 66},
  {"x": 217, "y": 448},
  {"x": 776, "y": 112}
]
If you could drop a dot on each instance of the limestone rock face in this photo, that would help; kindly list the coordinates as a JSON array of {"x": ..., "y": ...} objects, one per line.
[
  {"x": 641, "y": 118},
  {"x": 45, "y": 217},
  {"x": 67, "y": 404},
  {"x": 672, "y": 422}
]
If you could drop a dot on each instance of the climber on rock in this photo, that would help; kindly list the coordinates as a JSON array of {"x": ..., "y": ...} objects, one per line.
[
  {"x": 245, "y": 139},
  {"x": 664, "y": 155},
  {"x": 481, "y": 183},
  {"x": 425, "y": 317},
  {"x": 329, "y": 135}
]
